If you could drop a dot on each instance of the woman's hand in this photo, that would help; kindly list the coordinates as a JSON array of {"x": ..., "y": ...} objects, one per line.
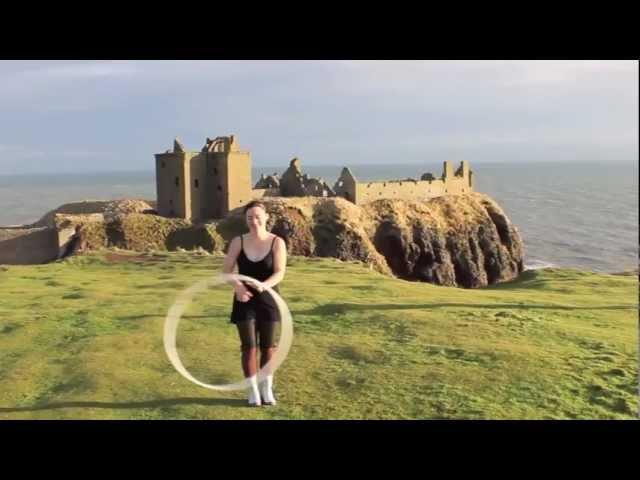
[
  {"x": 256, "y": 285},
  {"x": 242, "y": 293}
]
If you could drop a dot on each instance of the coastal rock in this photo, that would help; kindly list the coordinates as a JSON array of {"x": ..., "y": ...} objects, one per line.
[
  {"x": 143, "y": 232},
  {"x": 108, "y": 208},
  {"x": 457, "y": 240}
]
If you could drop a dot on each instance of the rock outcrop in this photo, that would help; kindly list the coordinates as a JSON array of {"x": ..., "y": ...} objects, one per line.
[
  {"x": 108, "y": 208},
  {"x": 457, "y": 240},
  {"x": 144, "y": 232}
]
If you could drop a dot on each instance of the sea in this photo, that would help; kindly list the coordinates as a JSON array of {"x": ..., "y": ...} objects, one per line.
[{"x": 574, "y": 214}]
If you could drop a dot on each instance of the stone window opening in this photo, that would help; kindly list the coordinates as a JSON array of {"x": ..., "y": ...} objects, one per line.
[
  {"x": 196, "y": 184},
  {"x": 177, "y": 181}
]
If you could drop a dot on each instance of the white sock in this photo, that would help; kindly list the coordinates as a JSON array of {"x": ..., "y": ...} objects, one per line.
[
  {"x": 254, "y": 393},
  {"x": 266, "y": 388}
]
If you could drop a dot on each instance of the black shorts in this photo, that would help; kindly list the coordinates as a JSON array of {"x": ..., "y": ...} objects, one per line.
[
  {"x": 255, "y": 332},
  {"x": 261, "y": 307}
]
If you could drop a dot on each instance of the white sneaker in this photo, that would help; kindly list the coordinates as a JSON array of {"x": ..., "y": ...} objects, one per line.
[
  {"x": 266, "y": 391},
  {"x": 254, "y": 394}
]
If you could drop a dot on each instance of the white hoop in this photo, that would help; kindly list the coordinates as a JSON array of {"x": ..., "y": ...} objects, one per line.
[{"x": 184, "y": 299}]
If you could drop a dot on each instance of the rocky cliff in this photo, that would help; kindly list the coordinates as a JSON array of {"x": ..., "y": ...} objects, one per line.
[{"x": 459, "y": 240}]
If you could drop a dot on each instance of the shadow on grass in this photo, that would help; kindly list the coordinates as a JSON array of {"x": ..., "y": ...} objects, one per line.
[
  {"x": 170, "y": 402},
  {"x": 140, "y": 317},
  {"x": 162, "y": 315},
  {"x": 338, "y": 308},
  {"x": 537, "y": 280}
]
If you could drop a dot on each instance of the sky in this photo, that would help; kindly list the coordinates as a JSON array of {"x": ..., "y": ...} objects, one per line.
[{"x": 88, "y": 116}]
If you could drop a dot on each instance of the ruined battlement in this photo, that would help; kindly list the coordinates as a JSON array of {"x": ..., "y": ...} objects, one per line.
[{"x": 449, "y": 183}]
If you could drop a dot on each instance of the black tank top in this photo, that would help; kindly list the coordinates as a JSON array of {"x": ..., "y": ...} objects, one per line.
[{"x": 260, "y": 270}]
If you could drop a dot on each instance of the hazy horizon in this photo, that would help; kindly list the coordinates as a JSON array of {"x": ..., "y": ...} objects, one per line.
[
  {"x": 151, "y": 169},
  {"x": 109, "y": 116}
]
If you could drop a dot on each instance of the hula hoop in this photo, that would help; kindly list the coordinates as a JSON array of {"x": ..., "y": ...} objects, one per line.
[{"x": 182, "y": 302}]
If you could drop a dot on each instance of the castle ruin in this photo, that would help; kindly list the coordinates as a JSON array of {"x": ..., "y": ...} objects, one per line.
[
  {"x": 450, "y": 183},
  {"x": 212, "y": 182},
  {"x": 205, "y": 184}
]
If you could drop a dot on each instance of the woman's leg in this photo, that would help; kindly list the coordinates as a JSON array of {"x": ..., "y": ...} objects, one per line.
[
  {"x": 248, "y": 345},
  {"x": 247, "y": 332},
  {"x": 267, "y": 321},
  {"x": 267, "y": 332}
]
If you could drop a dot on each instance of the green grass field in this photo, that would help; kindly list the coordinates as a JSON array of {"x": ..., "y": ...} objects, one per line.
[{"x": 82, "y": 339}]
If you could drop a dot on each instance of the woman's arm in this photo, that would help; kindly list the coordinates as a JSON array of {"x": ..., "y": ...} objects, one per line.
[
  {"x": 230, "y": 260},
  {"x": 279, "y": 263}
]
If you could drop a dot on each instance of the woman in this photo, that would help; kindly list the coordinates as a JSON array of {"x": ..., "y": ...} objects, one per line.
[{"x": 263, "y": 256}]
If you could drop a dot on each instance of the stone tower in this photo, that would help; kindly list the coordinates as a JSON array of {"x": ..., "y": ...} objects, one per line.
[{"x": 205, "y": 184}]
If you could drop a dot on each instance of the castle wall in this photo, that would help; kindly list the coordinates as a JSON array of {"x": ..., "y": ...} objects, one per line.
[
  {"x": 184, "y": 186},
  {"x": 346, "y": 187},
  {"x": 457, "y": 185},
  {"x": 197, "y": 192},
  {"x": 171, "y": 197},
  {"x": 216, "y": 184},
  {"x": 405, "y": 190},
  {"x": 417, "y": 190},
  {"x": 223, "y": 183},
  {"x": 239, "y": 179},
  {"x": 30, "y": 246},
  {"x": 447, "y": 170}
]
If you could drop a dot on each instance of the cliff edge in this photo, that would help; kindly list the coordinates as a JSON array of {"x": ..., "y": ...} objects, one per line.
[{"x": 458, "y": 240}]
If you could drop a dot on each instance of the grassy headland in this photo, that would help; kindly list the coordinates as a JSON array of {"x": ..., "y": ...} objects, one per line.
[{"x": 82, "y": 339}]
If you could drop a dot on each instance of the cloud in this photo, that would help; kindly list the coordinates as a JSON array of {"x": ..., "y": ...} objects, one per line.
[
  {"x": 57, "y": 86},
  {"x": 332, "y": 111}
]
